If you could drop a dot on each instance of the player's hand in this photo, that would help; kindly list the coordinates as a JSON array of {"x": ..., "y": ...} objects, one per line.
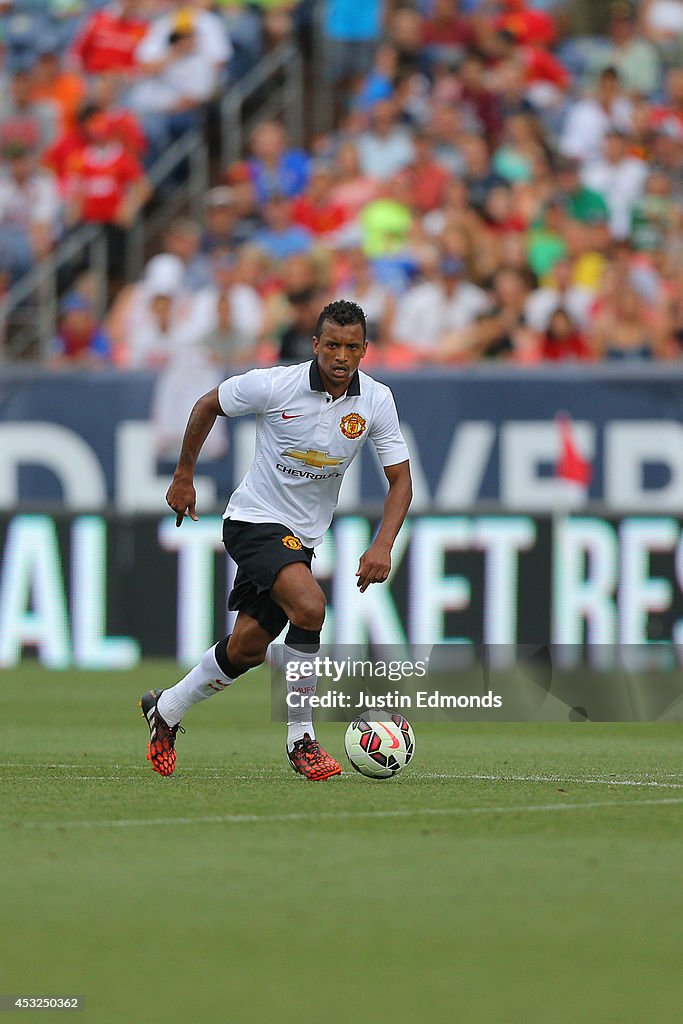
[
  {"x": 182, "y": 498},
  {"x": 374, "y": 567}
]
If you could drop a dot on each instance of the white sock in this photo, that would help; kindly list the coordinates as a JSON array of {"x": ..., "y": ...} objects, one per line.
[
  {"x": 299, "y": 719},
  {"x": 202, "y": 681}
]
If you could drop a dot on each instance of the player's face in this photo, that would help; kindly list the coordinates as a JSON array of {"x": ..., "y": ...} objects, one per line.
[{"x": 339, "y": 351}]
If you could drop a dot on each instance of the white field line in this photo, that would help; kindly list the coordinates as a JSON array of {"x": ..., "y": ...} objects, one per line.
[
  {"x": 588, "y": 780},
  {"x": 269, "y": 819},
  {"x": 646, "y": 781},
  {"x": 123, "y": 767}
]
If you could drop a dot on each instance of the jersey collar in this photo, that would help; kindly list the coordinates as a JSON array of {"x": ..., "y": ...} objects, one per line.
[{"x": 316, "y": 383}]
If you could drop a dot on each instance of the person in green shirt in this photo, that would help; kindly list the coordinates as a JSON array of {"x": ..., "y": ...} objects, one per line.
[
  {"x": 545, "y": 241},
  {"x": 387, "y": 221},
  {"x": 581, "y": 203}
]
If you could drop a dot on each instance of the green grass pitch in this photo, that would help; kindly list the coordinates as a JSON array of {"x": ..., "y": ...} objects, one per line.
[{"x": 513, "y": 873}]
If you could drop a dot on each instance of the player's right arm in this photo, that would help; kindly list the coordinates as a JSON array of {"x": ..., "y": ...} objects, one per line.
[
  {"x": 249, "y": 392},
  {"x": 181, "y": 495}
]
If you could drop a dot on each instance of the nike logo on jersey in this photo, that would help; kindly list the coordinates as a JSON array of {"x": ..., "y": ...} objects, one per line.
[{"x": 295, "y": 416}]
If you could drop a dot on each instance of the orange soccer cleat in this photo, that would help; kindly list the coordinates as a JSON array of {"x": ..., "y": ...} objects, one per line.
[
  {"x": 161, "y": 746},
  {"x": 309, "y": 759}
]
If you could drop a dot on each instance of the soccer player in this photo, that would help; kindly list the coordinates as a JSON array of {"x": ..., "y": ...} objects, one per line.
[{"x": 312, "y": 420}]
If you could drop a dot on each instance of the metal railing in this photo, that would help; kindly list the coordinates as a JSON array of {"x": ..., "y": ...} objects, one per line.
[
  {"x": 29, "y": 310},
  {"x": 184, "y": 194},
  {"x": 279, "y": 76}
]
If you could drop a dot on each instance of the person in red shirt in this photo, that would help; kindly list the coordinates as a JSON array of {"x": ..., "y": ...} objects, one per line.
[
  {"x": 124, "y": 125},
  {"x": 314, "y": 209},
  {"x": 537, "y": 62},
  {"x": 446, "y": 29},
  {"x": 562, "y": 340},
  {"x": 109, "y": 38},
  {"x": 427, "y": 178},
  {"x": 105, "y": 183},
  {"x": 479, "y": 105},
  {"x": 528, "y": 26},
  {"x": 57, "y": 157}
]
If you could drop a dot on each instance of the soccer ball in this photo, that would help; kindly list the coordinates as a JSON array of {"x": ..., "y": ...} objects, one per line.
[{"x": 379, "y": 750}]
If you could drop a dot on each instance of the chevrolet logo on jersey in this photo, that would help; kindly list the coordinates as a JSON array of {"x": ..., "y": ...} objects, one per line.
[{"x": 311, "y": 457}]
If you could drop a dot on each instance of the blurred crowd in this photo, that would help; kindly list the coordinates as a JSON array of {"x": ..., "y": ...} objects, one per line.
[{"x": 493, "y": 187}]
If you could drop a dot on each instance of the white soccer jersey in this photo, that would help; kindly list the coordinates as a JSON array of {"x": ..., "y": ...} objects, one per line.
[{"x": 305, "y": 442}]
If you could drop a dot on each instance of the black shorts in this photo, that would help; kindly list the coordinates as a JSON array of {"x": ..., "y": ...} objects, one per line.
[{"x": 260, "y": 550}]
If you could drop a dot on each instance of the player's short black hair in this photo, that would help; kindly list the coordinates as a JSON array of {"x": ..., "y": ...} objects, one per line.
[{"x": 342, "y": 313}]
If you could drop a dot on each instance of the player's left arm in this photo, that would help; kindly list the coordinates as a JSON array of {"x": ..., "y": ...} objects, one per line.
[{"x": 375, "y": 563}]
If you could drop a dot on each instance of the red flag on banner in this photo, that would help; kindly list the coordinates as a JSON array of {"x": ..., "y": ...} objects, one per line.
[{"x": 571, "y": 465}]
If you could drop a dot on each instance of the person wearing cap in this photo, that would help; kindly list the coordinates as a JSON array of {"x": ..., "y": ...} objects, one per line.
[
  {"x": 181, "y": 72},
  {"x": 212, "y": 40},
  {"x": 168, "y": 336},
  {"x": 79, "y": 340},
  {"x": 152, "y": 316},
  {"x": 223, "y": 227}
]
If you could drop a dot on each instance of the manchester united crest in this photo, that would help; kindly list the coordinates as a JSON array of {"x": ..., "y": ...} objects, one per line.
[
  {"x": 352, "y": 425},
  {"x": 292, "y": 542}
]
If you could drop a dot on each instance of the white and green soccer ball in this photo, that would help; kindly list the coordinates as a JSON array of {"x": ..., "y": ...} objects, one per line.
[{"x": 379, "y": 750}]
